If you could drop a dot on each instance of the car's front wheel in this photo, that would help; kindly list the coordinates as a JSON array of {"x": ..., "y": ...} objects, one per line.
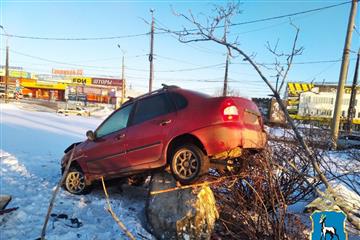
[
  {"x": 75, "y": 182},
  {"x": 188, "y": 162}
]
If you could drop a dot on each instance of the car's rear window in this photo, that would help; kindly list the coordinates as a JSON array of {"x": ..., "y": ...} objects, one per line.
[{"x": 179, "y": 100}]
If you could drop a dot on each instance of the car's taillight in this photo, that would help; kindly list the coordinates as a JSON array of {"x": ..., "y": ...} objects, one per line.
[{"x": 230, "y": 111}]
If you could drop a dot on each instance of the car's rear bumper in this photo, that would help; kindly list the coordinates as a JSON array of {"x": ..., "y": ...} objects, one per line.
[{"x": 230, "y": 138}]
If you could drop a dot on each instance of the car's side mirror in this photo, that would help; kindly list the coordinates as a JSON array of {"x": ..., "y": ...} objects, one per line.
[{"x": 90, "y": 135}]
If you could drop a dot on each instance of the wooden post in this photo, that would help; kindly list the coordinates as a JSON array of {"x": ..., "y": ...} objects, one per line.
[{"x": 51, "y": 205}]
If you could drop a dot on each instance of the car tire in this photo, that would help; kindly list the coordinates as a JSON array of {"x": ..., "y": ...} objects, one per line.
[
  {"x": 75, "y": 182},
  {"x": 188, "y": 162}
]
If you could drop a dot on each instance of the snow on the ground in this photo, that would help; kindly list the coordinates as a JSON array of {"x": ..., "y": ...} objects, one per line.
[
  {"x": 102, "y": 113},
  {"x": 31, "y": 147}
]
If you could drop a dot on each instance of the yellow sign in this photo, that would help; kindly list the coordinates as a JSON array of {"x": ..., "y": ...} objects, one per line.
[
  {"x": 56, "y": 86},
  {"x": 81, "y": 80},
  {"x": 15, "y": 73}
]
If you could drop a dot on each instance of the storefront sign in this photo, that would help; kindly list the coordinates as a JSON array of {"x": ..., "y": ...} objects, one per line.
[
  {"x": 77, "y": 97},
  {"x": 27, "y": 80},
  {"x": 107, "y": 82},
  {"x": 15, "y": 74},
  {"x": 91, "y": 90},
  {"x": 53, "y": 78},
  {"x": 43, "y": 85},
  {"x": 72, "y": 72},
  {"x": 81, "y": 80},
  {"x": 12, "y": 67}
]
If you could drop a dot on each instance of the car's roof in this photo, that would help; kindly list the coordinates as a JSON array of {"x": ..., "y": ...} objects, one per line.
[{"x": 166, "y": 88}]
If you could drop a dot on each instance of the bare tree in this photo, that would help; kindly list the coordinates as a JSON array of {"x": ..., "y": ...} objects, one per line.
[
  {"x": 230, "y": 92},
  {"x": 208, "y": 30}
]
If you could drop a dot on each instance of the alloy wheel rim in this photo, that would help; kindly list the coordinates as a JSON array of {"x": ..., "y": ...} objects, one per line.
[
  {"x": 75, "y": 182},
  {"x": 186, "y": 164}
]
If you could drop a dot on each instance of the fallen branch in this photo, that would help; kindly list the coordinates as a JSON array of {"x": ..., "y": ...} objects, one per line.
[
  {"x": 51, "y": 205},
  {"x": 194, "y": 185},
  {"x": 8, "y": 210},
  {"x": 109, "y": 209}
]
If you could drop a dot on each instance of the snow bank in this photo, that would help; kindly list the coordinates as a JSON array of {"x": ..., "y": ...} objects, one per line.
[{"x": 31, "y": 147}]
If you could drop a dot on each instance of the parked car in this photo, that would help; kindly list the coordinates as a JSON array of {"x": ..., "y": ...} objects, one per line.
[
  {"x": 78, "y": 111},
  {"x": 348, "y": 141},
  {"x": 184, "y": 129}
]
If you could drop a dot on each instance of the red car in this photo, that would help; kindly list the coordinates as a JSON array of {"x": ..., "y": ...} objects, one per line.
[{"x": 174, "y": 126}]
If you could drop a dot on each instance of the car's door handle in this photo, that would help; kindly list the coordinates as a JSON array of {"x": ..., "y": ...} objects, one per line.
[
  {"x": 165, "y": 122},
  {"x": 120, "y": 136}
]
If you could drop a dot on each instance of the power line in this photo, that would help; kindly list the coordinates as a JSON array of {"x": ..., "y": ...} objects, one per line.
[
  {"x": 164, "y": 32},
  {"x": 175, "y": 60},
  {"x": 213, "y": 66},
  {"x": 128, "y": 68},
  {"x": 74, "y": 39},
  {"x": 266, "y": 19},
  {"x": 290, "y": 14},
  {"x": 180, "y": 70},
  {"x": 298, "y": 63},
  {"x": 192, "y": 45}
]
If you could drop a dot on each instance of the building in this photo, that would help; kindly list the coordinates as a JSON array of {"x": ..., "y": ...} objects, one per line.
[
  {"x": 316, "y": 102},
  {"x": 72, "y": 88},
  {"x": 62, "y": 85}
]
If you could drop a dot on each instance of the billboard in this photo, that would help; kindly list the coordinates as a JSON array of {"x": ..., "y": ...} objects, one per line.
[
  {"x": 276, "y": 114},
  {"x": 71, "y": 72},
  {"x": 107, "y": 82},
  {"x": 81, "y": 80},
  {"x": 15, "y": 73}
]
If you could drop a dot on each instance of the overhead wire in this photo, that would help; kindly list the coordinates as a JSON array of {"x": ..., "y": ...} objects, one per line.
[
  {"x": 268, "y": 18},
  {"x": 189, "y": 30},
  {"x": 74, "y": 39},
  {"x": 128, "y": 68}
]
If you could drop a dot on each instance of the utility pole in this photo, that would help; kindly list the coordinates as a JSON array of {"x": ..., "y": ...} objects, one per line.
[
  {"x": 6, "y": 73},
  {"x": 351, "y": 111},
  {"x": 123, "y": 80},
  {"x": 343, "y": 75},
  {"x": 6, "y": 65},
  {"x": 122, "y": 77},
  {"x": 227, "y": 60},
  {"x": 151, "y": 56},
  {"x": 226, "y": 74}
]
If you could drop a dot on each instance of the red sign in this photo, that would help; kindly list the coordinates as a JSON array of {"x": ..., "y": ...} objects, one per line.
[
  {"x": 70, "y": 72},
  {"x": 107, "y": 82}
]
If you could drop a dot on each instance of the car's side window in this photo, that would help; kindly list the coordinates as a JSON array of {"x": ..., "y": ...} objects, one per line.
[
  {"x": 116, "y": 122},
  {"x": 150, "y": 108}
]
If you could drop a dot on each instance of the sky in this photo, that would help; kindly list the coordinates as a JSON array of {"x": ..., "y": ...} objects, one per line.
[{"x": 198, "y": 65}]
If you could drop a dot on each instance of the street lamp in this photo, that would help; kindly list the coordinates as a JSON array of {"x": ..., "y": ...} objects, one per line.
[
  {"x": 6, "y": 63},
  {"x": 122, "y": 75}
]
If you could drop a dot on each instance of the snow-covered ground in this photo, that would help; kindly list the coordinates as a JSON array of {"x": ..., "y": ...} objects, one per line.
[
  {"x": 32, "y": 140},
  {"x": 32, "y": 144}
]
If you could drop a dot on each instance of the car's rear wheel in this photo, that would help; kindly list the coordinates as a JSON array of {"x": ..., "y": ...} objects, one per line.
[
  {"x": 188, "y": 162},
  {"x": 75, "y": 182}
]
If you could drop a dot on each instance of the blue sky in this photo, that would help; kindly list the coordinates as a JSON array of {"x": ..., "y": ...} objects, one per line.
[{"x": 322, "y": 34}]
